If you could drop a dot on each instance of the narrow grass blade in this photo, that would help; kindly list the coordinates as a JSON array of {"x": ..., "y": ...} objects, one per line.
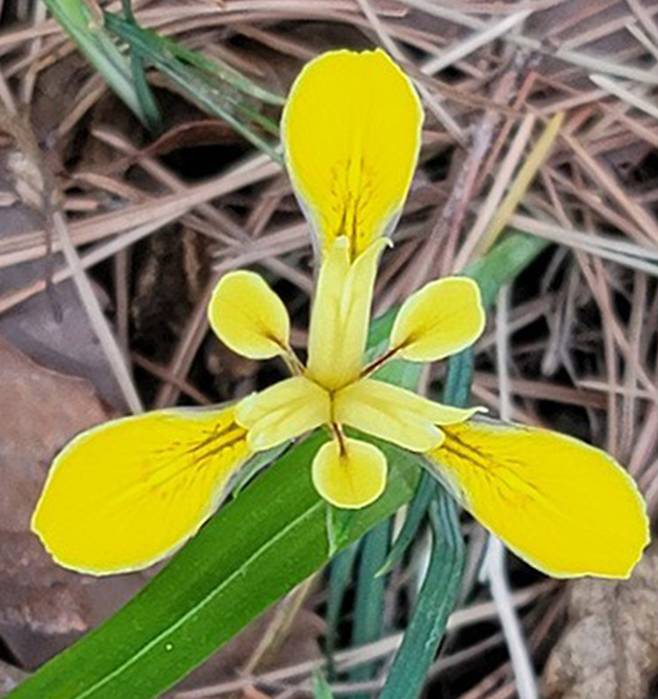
[
  {"x": 87, "y": 32},
  {"x": 425, "y": 493},
  {"x": 457, "y": 389},
  {"x": 215, "y": 88},
  {"x": 158, "y": 47},
  {"x": 441, "y": 586},
  {"x": 456, "y": 392},
  {"x": 340, "y": 577},
  {"x": 145, "y": 95},
  {"x": 503, "y": 263},
  {"x": 368, "y": 622},
  {"x": 435, "y": 602}
]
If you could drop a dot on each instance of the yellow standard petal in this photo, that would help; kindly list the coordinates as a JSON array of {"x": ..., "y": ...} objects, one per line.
[
  {"x": 130, "y": 492},
  {"x": 351, "y": 477},
  {"x": 351, "y": 134},
  {"x": 395, "y": 414},
  {"x": 248, "y": 317},
  {"x": 565, "y": 507},
  {"x": 283, "y": 411},
  {"x": 442, "y": 318},
  {"x": 341, "y": 314}
]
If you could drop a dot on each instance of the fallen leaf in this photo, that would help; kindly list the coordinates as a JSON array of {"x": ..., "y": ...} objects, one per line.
[
  {"x": 67, "y": 344},
  {"x": 10, "y": 678},
  {"x": 42, "y": 606},
  {"x": 609, "y": 649}
]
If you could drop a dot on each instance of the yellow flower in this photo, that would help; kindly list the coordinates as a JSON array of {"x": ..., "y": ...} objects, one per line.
[
  {"x": 351, "y": 132},
  {"x": 335, "y": 389}
]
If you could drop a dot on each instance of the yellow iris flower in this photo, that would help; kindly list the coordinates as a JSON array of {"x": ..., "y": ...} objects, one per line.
[{"x": 128, "y": 493}]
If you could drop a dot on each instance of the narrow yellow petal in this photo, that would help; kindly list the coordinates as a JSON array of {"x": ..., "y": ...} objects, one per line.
[
  {"x": 442, "y": 318},
  {"x": 351, "y": 134},
  {"x": 283, "y": 411},
  {"x": 248, "y": 317},
  {"x": 565, "y": 507},
  {"x": 351, "y": 478},
  {"x": 124, "y": 495},
  {"x": 395, "y": 414},
  {"x": 341, "y": 314}
]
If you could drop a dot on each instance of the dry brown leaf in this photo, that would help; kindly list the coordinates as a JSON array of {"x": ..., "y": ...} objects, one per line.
[
  {"x": 42, "y": 606},
  {"x": 10, "y": 678},
  {"x": 194, "y": 133},
  {"x": 610, "y": 647},
  {"x": 67, "y": 343}
]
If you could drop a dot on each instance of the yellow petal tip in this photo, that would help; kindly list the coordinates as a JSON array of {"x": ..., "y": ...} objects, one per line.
[
  {"x": 351, "y": 133},
  {"x": 565, "y": 507},
  {"x": 248, "y": 317},
  {"x": 351, "y": 475},
  {"x": 111, "y": 488},
  {"x": 441, "y": 319}
]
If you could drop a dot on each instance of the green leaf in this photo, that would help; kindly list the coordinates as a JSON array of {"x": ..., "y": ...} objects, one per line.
[
  {"x": 145, "y": 95},
  {"x": 258, "y": 547},
  {"x": 96, "y": 44},
  {"x": 215, "y": 87},
  {"x": 339, "y": 525},
  {"x": 259, "y": 461},
  {"x": 321, "y": 689},
  {"x": 368, "y": 622},
  {"x": 503, "y": 263},
  {"x": 425, "y": 493},
  {"x": 436, "y": 600},
  {"x": 340, "y": 574}
]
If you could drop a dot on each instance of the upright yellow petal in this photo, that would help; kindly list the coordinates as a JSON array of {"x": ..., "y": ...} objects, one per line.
[
  {"x": 124, "y": 495},
  {"x": 395, "y": 414},
  {"x": 442, "y": 318},
  {"x": 351, "y": 477},
  {"x": 565, "y": 507},
  {"x": 351, "y": 133},
  {"x": 283, "y": 411},
  {"x": 248, "y": 317},
  {"x": 341, "y": 314}
]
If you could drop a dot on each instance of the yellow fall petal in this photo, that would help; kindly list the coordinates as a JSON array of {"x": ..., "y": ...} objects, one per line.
[
  {"x": 124, "y": 495},
  {"x": 248, "y": 317},
  {"x": 341, "y": 314},
  {"x": 352, "y": 478},
  {"x": 565, "y": 507},
  {"x": 351, "y": 133},
  {"x": 283, "y": 411},
  {"x": 395, "y": 414},
  {"x": 442, "y": 318}
]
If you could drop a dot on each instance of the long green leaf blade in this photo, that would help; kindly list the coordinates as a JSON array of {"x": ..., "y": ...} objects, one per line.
[
  {"x": 370, "y": 590},
  {"x": 435, "y": 602},
  {"x": 256, "y": 549}
]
